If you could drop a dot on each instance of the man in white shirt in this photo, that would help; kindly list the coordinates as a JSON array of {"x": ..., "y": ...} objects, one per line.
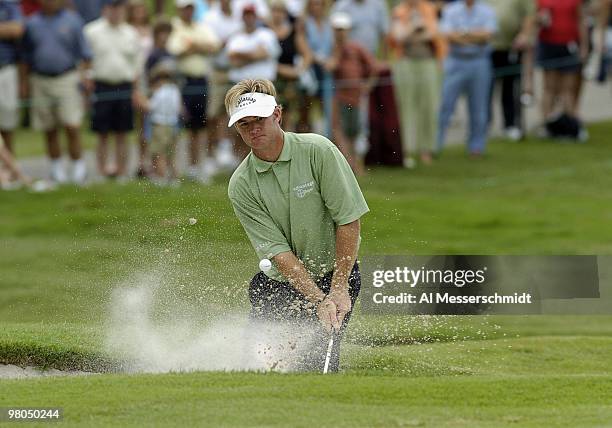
[
  {"x": 193, "y": 44},
  {"x": 115, "y": 48},
  {"x": 253, "y": 53},
  {"x": 261, "y": 8},
  {"x": 222, "y": 20}
]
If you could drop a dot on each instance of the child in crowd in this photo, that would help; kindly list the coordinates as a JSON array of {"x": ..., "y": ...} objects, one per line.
[
  {"x": 161, "y": 33},
  {"x": 164, "y": 109}
]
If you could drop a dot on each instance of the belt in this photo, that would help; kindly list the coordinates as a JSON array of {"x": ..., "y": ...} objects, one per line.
[
  {"x": 40, "y": 73},
  {"x": 461, "y": 55}
]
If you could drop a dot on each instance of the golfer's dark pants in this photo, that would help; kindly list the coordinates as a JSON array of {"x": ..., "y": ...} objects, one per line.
[{"x": 279, "y": 302}]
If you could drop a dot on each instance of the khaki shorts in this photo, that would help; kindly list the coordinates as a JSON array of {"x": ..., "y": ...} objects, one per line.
[
  {"x": 56, "y": 101},
  {"x": 9, "y": 98},
  {"x": 219, "y": 85},
  {"x": 163, "y": 140}
]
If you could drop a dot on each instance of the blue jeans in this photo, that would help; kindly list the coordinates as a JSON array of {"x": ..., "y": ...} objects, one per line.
[{"x": 472, "y": 77}]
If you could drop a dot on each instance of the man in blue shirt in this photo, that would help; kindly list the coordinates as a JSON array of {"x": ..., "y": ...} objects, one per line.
[
  {"x": 54, "y": 49},
  {"x": 90, "y": 10},
  {"x": 11, "y": 30},
  {"x": 468, "y": 26},
  {"x": 370, "y": 21}
]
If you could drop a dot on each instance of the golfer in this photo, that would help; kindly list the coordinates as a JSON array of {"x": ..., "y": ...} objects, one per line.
[{"x": 300, "y": 205}]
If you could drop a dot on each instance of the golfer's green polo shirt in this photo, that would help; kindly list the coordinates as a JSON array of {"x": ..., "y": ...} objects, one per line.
[{"x": 295, "y": 203}]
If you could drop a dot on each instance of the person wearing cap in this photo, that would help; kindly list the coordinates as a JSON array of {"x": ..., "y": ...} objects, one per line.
[
  {"x": 164, "y": 108},
  {"x": 194, "y": 44},
  {"x": 262, "y": 9},
  {"x": 252, "y": 54},
  {"x": 300, "y": 206},
  {"x": 354, "y": 70},
  {"x": 56, "y": 65},
  {"x": 115, "y": 72},
  {"x": 225, "y": 24},
  {"x": 370, "y": 20}
]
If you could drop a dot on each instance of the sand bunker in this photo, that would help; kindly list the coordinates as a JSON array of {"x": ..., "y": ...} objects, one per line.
[{"x": 9, "y": 371}]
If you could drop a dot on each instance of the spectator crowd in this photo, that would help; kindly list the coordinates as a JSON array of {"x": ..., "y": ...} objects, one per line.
[{"x": 125, "y": 66}]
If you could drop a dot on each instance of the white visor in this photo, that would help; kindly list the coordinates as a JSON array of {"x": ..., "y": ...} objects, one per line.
[{"x": 252, "y": 104}]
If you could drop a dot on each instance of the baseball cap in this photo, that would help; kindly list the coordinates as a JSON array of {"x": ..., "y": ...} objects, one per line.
[
  {"x": 165, "y": 67},
  {"x": 252, "y": 104},
  {"x": 184, "y": 3},
  {"x": 341, "y": 21},
  {"x": 249, "y": 8}
]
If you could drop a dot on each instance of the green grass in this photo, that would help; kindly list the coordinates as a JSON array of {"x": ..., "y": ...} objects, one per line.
[
  {"x": 303, "y": 400},
  {"x": 62, "y": 254}
]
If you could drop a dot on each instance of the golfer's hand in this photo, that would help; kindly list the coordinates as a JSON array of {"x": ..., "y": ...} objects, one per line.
[
  {"x": 342, "y": 300},
  {"x": 326, "y": 312}
]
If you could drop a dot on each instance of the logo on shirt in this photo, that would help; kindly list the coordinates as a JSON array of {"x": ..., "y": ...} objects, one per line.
[
  {"x": 304, "y": 189},
  {"x": 262, "y": 245}
]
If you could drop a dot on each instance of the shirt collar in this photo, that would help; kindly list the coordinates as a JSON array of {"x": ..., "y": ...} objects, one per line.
[{"x": 285, "y": 156}]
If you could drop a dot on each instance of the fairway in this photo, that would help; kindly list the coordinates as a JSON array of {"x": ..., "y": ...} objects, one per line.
[{"x": 63, "y": 253}]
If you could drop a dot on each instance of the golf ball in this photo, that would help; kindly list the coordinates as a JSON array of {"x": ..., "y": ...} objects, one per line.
[
  {"x": 192, "y": 221},
  {"x": 265, "y": 265}
]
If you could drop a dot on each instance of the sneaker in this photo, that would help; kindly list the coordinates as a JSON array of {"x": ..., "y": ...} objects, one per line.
[
  {"x": 79, "y": 172},
  {"x": 209, "y": 170},
  {"x": 225, "y": 157},
  {"x": 141, "y": 173},
  {"x": 542, "y": 132},
  {"x": 192, "y": 173},
  {"x": 362, "y": 145},
  {"x": 58, "y": 174},
  {"x": 40, "y": 186},
  {"x": 123, "y": 180},
  {"x": 11, "y": 185},
  {"x": 513, "y": 133},
  {"x": 583, "y": 135},
  {"x": 173, "y": 183},
  {"x": 409, "y": 163}
]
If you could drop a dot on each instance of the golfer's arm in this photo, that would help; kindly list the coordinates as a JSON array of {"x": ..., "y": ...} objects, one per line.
[
  {"x": 294, "y": 270},
  {"x": 347, "y": 245}
]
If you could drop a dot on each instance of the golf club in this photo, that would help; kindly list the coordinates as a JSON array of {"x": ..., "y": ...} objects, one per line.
[{"x": 330, "y": 345}]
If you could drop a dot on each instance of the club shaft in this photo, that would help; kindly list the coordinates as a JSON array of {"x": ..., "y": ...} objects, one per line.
[{"x": 330, "y": 345}]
